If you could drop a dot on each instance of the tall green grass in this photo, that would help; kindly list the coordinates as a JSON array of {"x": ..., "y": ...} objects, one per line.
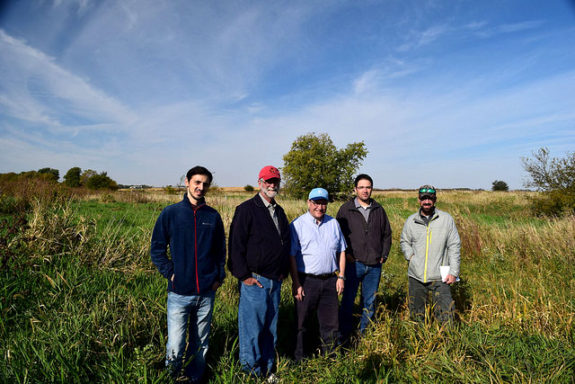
[{"x": 81, "y": 302}]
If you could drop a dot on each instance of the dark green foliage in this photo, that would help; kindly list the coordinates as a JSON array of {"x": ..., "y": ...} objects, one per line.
[
  {"x": 86, "y": 175},
  {"x": 72, "y": 177},
  {"x": 314, "y": 161},
  {"x": 555, "y": 177},
  {"x": 93, "y": 180},
  {"x": 101, "y": 181},
  {"x": 46, "y": 174},
  {"x": 499, "y": 185},
  {"x": 249, "y": 188},
  {"x": 50, "y": 173}
]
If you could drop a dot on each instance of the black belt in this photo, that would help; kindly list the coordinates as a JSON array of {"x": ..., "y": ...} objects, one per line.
[{"x": 323, "y": 276}]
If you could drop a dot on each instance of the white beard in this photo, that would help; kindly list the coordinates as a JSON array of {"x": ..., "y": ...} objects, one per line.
[{"x": 271, "y": 193}]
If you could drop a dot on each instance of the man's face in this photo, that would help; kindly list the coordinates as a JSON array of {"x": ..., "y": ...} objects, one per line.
[
  {"x": 317, "y": 208},
  {"x": 270, "y": 187},
  {"x": 427, "y": 202},
  {"x": 363, "y": 190},
  {"x": 197, "y": 186}
]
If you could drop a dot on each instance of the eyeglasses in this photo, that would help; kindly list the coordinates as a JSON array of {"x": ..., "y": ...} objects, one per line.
[
  {"x": 319, "y": 202},
  {"x": 274, "y": 181},
  {"x": 427, "y": 190}
]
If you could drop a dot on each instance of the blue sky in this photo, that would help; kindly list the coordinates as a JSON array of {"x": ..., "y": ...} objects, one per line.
[{"x": 451, "y": 93}]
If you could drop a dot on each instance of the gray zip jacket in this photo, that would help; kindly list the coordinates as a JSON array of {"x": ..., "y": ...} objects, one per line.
[{"x": 427, "y": 247}]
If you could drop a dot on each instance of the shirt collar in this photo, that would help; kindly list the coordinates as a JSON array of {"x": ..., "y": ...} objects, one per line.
[
  {"x": 358, "y": 205},
  {"x": 267, "y": 203},
  {"x": 313, "y": 220}
]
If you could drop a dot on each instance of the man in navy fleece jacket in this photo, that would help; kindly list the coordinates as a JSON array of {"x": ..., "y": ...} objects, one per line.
[{"x": 194, "y": 233}]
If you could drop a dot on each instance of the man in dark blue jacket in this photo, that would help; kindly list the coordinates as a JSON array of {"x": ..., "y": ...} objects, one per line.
[
  {"x": 259, "y": 246},
  {"x": 194, "y": 233}
]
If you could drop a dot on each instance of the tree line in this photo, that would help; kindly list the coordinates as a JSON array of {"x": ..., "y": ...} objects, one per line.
[{"x": 74, "y": 178}]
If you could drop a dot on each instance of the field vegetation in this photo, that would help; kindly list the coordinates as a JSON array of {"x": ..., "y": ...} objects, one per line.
[{"x": 81, "y": 302}]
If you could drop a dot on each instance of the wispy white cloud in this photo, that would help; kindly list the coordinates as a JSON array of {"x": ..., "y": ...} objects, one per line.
[
  {"x": 37, "y": 90},
  {"x": 420, "y": 38},
  {"x": 486, "y": 31}
]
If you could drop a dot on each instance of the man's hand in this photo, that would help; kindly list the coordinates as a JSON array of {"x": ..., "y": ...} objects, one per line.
[
  {"x": 339, "y": 286},
  {"x": 450, "y": 279},
  {"x": 252, "y": 281},
  {"x": 298, "y": 292}
]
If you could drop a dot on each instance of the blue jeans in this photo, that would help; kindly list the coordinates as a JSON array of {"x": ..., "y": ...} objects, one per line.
[
  {"x": 193, "y": 314},
  {"x": 257, "y": 323},
  {"x": 368, "y": 276}
]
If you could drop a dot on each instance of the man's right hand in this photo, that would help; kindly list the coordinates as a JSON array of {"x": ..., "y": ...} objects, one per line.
[{"x": 252, "y": 281}]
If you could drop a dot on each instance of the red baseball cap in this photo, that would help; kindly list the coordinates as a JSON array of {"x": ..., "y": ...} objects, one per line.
[{"x": 269, "y": 172}]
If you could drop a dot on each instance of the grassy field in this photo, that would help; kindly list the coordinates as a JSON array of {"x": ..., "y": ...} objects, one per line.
[{"x": 81, "y": 302}]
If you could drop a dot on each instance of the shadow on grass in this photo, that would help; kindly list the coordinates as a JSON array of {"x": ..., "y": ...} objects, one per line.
[{"x": 461, "y": 293}]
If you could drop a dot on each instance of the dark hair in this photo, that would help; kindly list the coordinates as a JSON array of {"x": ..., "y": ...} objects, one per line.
[
  {"x": 362, "y": 176},
  {"x": 199, "y": 170}
]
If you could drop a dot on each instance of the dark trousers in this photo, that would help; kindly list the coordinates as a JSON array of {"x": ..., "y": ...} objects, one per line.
[
  {"x": 442, "y": 302},
  {"x": 321, "y": 298}
]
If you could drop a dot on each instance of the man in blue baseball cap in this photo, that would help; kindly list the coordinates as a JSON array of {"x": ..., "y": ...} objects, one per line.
[{"x": 318, "y": 272}]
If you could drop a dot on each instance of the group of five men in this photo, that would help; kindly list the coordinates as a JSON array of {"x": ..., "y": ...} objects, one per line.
[{"x": 325, "y": 257}]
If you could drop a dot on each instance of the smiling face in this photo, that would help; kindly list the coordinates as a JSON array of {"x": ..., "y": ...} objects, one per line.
[
  {"x": 269, "y": 188},
  {"x": 317, "y": 208},
  {"x": 427, "y": 202},
  {"x": 197, "y": 187},
  {"x": 363, "y": 190}
]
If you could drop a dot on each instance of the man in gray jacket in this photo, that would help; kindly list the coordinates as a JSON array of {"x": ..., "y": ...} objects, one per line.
[{"x": 430, "y": 243}]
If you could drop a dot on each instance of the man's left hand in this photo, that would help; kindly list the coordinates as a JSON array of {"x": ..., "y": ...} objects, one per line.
[
  {"x": 450, "y": 279},
  {"x": 339, "y": 286}
]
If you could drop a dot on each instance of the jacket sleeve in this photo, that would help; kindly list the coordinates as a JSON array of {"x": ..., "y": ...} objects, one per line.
[
  {"x": 343, "y": 222},
  {"x": 286, "y": 242},
  {"x": 220, "y": 246},
  {"x": 405, "y": 241},
  {"x": 386, "y": 233},
  {"x": 239, "y": 236},
  {"x": 453, "y": 249},
  {"x": 159, "y": 247}
]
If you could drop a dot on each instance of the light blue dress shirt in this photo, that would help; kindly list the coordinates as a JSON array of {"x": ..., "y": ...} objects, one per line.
[{"x": 316, "y": 247}]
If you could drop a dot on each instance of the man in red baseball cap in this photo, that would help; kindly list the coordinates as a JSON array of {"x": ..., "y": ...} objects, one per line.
[{"x": 259, "y": 246}]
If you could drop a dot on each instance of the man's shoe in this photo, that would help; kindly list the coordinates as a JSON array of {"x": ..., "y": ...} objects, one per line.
[{"x": 272, "y": 379}]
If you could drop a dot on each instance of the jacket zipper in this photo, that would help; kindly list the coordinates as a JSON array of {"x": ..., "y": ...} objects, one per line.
[
  {"x": 427, "y": 242},
  {"x": 196, "y": 250}
]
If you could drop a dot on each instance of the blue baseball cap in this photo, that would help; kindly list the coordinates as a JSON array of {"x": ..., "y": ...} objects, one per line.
[{"x": 318, "y": 194}]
